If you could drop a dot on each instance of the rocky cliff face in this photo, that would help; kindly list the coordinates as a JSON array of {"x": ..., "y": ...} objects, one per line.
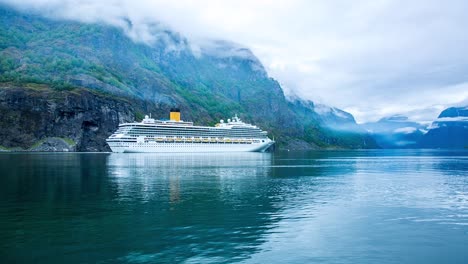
[
  {"x": 32, "y": 118},
  {"x": 221, "y": 80}
]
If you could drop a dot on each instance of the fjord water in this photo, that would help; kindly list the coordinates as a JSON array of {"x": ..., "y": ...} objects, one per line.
[{"x": 380, "y": 206}]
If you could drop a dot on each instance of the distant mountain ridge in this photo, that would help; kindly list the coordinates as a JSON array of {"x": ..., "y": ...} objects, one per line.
[
  {"x": 336, "y": 126},
  {"x": 41, "y": 57},
  {"x": 449, "y": 130},
  {"x": 396, "y": 132}
]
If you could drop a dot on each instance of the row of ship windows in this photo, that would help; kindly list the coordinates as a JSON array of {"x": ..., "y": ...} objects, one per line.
[
  {"x": 188, "y": 128},
  {"x": 145, "y": 146},
  {"x": 195, "y": 132},
  {"x": 203, "y": 137},
  {"x": 191, "y": 131},
  {"x": 188, "y": 144},
  {"x": 194, "y": 142}
]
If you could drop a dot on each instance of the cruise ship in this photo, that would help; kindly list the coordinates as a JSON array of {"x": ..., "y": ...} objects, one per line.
[{"x": 175, "y": 135}]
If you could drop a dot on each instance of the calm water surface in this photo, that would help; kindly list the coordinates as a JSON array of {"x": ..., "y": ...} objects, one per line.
[{"x": 317, "y": 207}]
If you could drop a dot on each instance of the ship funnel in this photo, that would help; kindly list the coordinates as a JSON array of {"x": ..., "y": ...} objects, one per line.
[{"x": 175, "y": 114}]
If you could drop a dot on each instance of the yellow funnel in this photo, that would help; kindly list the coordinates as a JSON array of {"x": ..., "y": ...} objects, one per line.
[{"x": 175, "y": 114}]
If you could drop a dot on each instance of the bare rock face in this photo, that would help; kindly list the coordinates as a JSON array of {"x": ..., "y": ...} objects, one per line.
[
  {"x": 220, "y": 80},
  {"x": 35, "y": 119},
  {"x": 54, "y": 145}
]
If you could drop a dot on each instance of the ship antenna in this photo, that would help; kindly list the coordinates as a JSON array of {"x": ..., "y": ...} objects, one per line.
[{"x": 150, "y": 115}]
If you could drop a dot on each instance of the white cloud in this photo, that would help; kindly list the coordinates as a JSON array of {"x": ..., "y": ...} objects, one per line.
[
  {"x": 405, "y": 130},
  {"x": 453, "y": 119},
  {"x": 372, "y": 58}
]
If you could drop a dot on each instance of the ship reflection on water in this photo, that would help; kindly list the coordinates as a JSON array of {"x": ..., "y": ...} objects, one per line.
[
  {"x": 216, "y": 207},
  {"x": 148, "y": 207},
  {"x": 149, "y": 172},
  {"x": 321, "y": 206},
  {"x": 195, "y": 206}
]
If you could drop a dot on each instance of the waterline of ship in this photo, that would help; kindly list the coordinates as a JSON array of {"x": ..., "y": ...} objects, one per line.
[{"x": 175, "y": 135}]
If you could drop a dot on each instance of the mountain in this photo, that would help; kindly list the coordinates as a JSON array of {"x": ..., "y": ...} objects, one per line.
[
  {"x": 328, "y": 126},
  {"x": 336, "y": 119},
  {"x": 71, "y": 82},
  {"x": 396, "y": 132},
  {"x": 39, "y": 118},
  {"x": 449, "y": 130}
]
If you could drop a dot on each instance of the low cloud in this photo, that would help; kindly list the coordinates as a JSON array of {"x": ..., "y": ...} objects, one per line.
[
  {"x": 452, "y": 119},
  {"x": 370, "y": 58},
  {"x": 405, "y": 130}
]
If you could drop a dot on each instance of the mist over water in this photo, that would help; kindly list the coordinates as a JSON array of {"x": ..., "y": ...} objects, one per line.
[{"x": 384, "y": 206}]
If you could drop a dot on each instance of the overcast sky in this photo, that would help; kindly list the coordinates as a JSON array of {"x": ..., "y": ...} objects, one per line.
[{"x": 372, "y": 58}]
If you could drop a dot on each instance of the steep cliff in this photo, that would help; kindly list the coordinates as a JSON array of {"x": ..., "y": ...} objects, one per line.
[
  {"x": 31, "y": 116},
  {"x": 73, "y": 59}
]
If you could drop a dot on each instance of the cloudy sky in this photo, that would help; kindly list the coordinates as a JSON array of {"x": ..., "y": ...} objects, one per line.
[{"x": 372, "y": 58}]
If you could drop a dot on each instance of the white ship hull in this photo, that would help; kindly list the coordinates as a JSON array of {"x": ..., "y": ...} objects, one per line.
[
  {"x": 176, "y": 136},
  {"x": 162, "y": 147}
]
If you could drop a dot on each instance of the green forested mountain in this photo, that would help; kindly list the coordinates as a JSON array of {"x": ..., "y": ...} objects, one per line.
[{"x": 78, "y": 81}]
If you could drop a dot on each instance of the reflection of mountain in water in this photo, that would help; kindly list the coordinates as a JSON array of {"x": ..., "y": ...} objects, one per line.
[
  {"x": 155, "y": 208},
  {"x": 259, "y": 208},
  {"x": 147, "y": 207},
  {"x": 195, "y": 205},
  {"x": 136, "y": 207}
]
